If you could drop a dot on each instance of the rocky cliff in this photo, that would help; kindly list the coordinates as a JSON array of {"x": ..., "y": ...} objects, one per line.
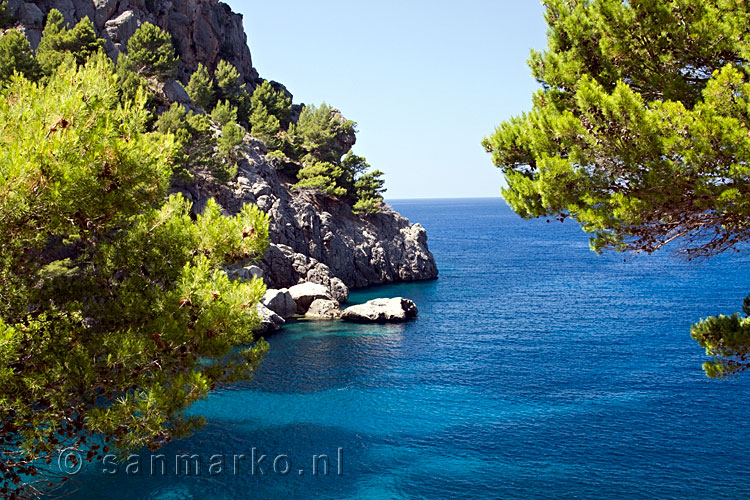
[
  {"x": 314, "y": 238},
  {"x": 203, "y": 31}
]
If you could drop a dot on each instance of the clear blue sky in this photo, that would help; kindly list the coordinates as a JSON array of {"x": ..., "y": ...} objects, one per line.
[{"x": 424, "y": 80}]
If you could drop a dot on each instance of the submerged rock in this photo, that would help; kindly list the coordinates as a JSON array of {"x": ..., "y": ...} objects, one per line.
[
  {"x": 381, "y": 311},
  {"x": 324, "y": 309},
  {"x": 280, "y": 302}
]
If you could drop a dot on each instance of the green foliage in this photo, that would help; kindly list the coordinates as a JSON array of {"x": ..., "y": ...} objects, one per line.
[
  {"x": 130, "y": 84},
  {"x": 727, "y": 340},
  {"x": 200, "y": 88},
  {"x": 275, "y": 102},
  {"x": 321, "y": 176},
  {"x": 6, "y": 19},
  {"x": 59, "y": 43},
  {"x": 16, "y": 56},
  {"x": 349, "y": 180},
  {"x": 115, "y": 314},
  {"x": 640, "y": 132},
  {"x": 265, "y": 127},
  {"x": 322, "y": 134},
  {"x": 231, "y": 137},
  {"x": 365, "y": 206},
  {"x": 198, "y": 147},
  {"x": 150, "y": 53},
  {"x": 269, "y": 114},
  {"x": 230, "y": 88},
  {"x": 224, "y": 113},
  {"x": 369, "y": 188}
]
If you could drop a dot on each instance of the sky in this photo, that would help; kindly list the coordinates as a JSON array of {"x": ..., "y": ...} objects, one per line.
[{"x": 424, "y": 80}]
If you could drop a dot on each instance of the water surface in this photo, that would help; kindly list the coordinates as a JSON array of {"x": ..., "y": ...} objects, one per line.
[{"x": 536, "y": 369}]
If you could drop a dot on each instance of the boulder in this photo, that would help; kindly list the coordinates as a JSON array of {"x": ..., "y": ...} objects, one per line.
[
  {"x": 305, "y": 293},
  {"x": 280, "y": 302},
  {"x": 323, "y": 309},
  {"x": 339, "y": 290},
  {"x": 269, "y": 320},
  {"x": 245, "y": 273},
  {"x": 381, "y": 311},
  {"x": 175, "y": 92}
]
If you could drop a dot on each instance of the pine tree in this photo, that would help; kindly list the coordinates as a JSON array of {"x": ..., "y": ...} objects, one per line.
[
  {"x": 6, "y": 19},
  {"x": 150, "y": 53},
  {"x": 16, "y": 56},
  {"x": 230, "y": 88},
  {"x": 103, "y": 278},
  {"x": 640, "y": 133},
  {"x": 58, "y": 43},
  {"x": 200, "y": 88},
  {"x": 274, "y": 101},
  {"x": 224, "y": 113}
]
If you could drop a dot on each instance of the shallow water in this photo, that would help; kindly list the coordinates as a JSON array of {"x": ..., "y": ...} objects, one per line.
[{"x": 536, "y": 369}]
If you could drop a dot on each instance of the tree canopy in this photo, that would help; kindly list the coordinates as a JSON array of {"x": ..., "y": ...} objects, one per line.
[
  {"x": 150, "y": 52},
  {"x": 16, "y": 56},
  {"x": 115, "y": 311},
  {"x": 640, "y": 133},
  {"x": 58, "y": 42}
]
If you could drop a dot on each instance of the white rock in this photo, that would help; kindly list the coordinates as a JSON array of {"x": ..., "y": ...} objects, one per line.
[
  {"x": 381, "y": 311},
  {"x": 305, "y": 293},
  {"x": 324, "y": 309}
]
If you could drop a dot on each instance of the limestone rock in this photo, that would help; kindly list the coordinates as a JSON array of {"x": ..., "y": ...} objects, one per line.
[
  {"x": 381, "y": 311},
  {"x": 280, "y": 302},
  {"x": 202, "y": 30},
  {"x": 324, "y": 309},
  {"x": 339, "y": 290},
  {"x": 305, "y": 293},
  {"x": 269, "y": 320}
]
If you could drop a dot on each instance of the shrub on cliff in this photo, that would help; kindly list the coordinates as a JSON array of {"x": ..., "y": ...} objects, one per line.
[
  {"x": 59, "y": 43},
  {"x": 230, "y": 88},
  {"x": 150, "y": 53},
  {"x": 321, "y": 176},
  {"x": 200, "y": 88},
  {"x": 224, "y": 113},
  {"x": 16, "y": 56},
  {"x": 115, "y": 314},
  {"x": 274, "y": 102},
  {"x": 6, "y": 19},
  {"x": 317, "y": 135},
  {"x": 369, "y": 189},
  {"x": 197, "y": 145}
]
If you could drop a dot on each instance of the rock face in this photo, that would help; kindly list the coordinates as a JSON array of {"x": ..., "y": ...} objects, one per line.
[
  {"x": 280, "y": 302},
  {"x": 317, "y": 239},
  {"x": 202, "y": 30},
  {"x": 269, "y": 320},
  {"x": 381, "y": 311}
]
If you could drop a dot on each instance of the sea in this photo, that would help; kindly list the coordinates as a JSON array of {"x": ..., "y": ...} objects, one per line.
[{"x": 536, "y": 369}]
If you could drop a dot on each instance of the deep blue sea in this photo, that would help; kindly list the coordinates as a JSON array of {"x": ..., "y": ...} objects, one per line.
[{"x": 536, "y": 369}]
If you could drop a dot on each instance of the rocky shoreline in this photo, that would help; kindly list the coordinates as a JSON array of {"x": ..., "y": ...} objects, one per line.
[{"x": 315, "y": 301}]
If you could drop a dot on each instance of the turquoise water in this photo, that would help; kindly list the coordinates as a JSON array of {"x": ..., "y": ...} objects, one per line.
[{"x": 536, "y": 369}]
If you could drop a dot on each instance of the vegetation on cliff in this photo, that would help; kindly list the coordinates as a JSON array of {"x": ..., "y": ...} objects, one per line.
[
  {"x": 115, "y": 311},
  {"x": 640, "y": 133}
]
